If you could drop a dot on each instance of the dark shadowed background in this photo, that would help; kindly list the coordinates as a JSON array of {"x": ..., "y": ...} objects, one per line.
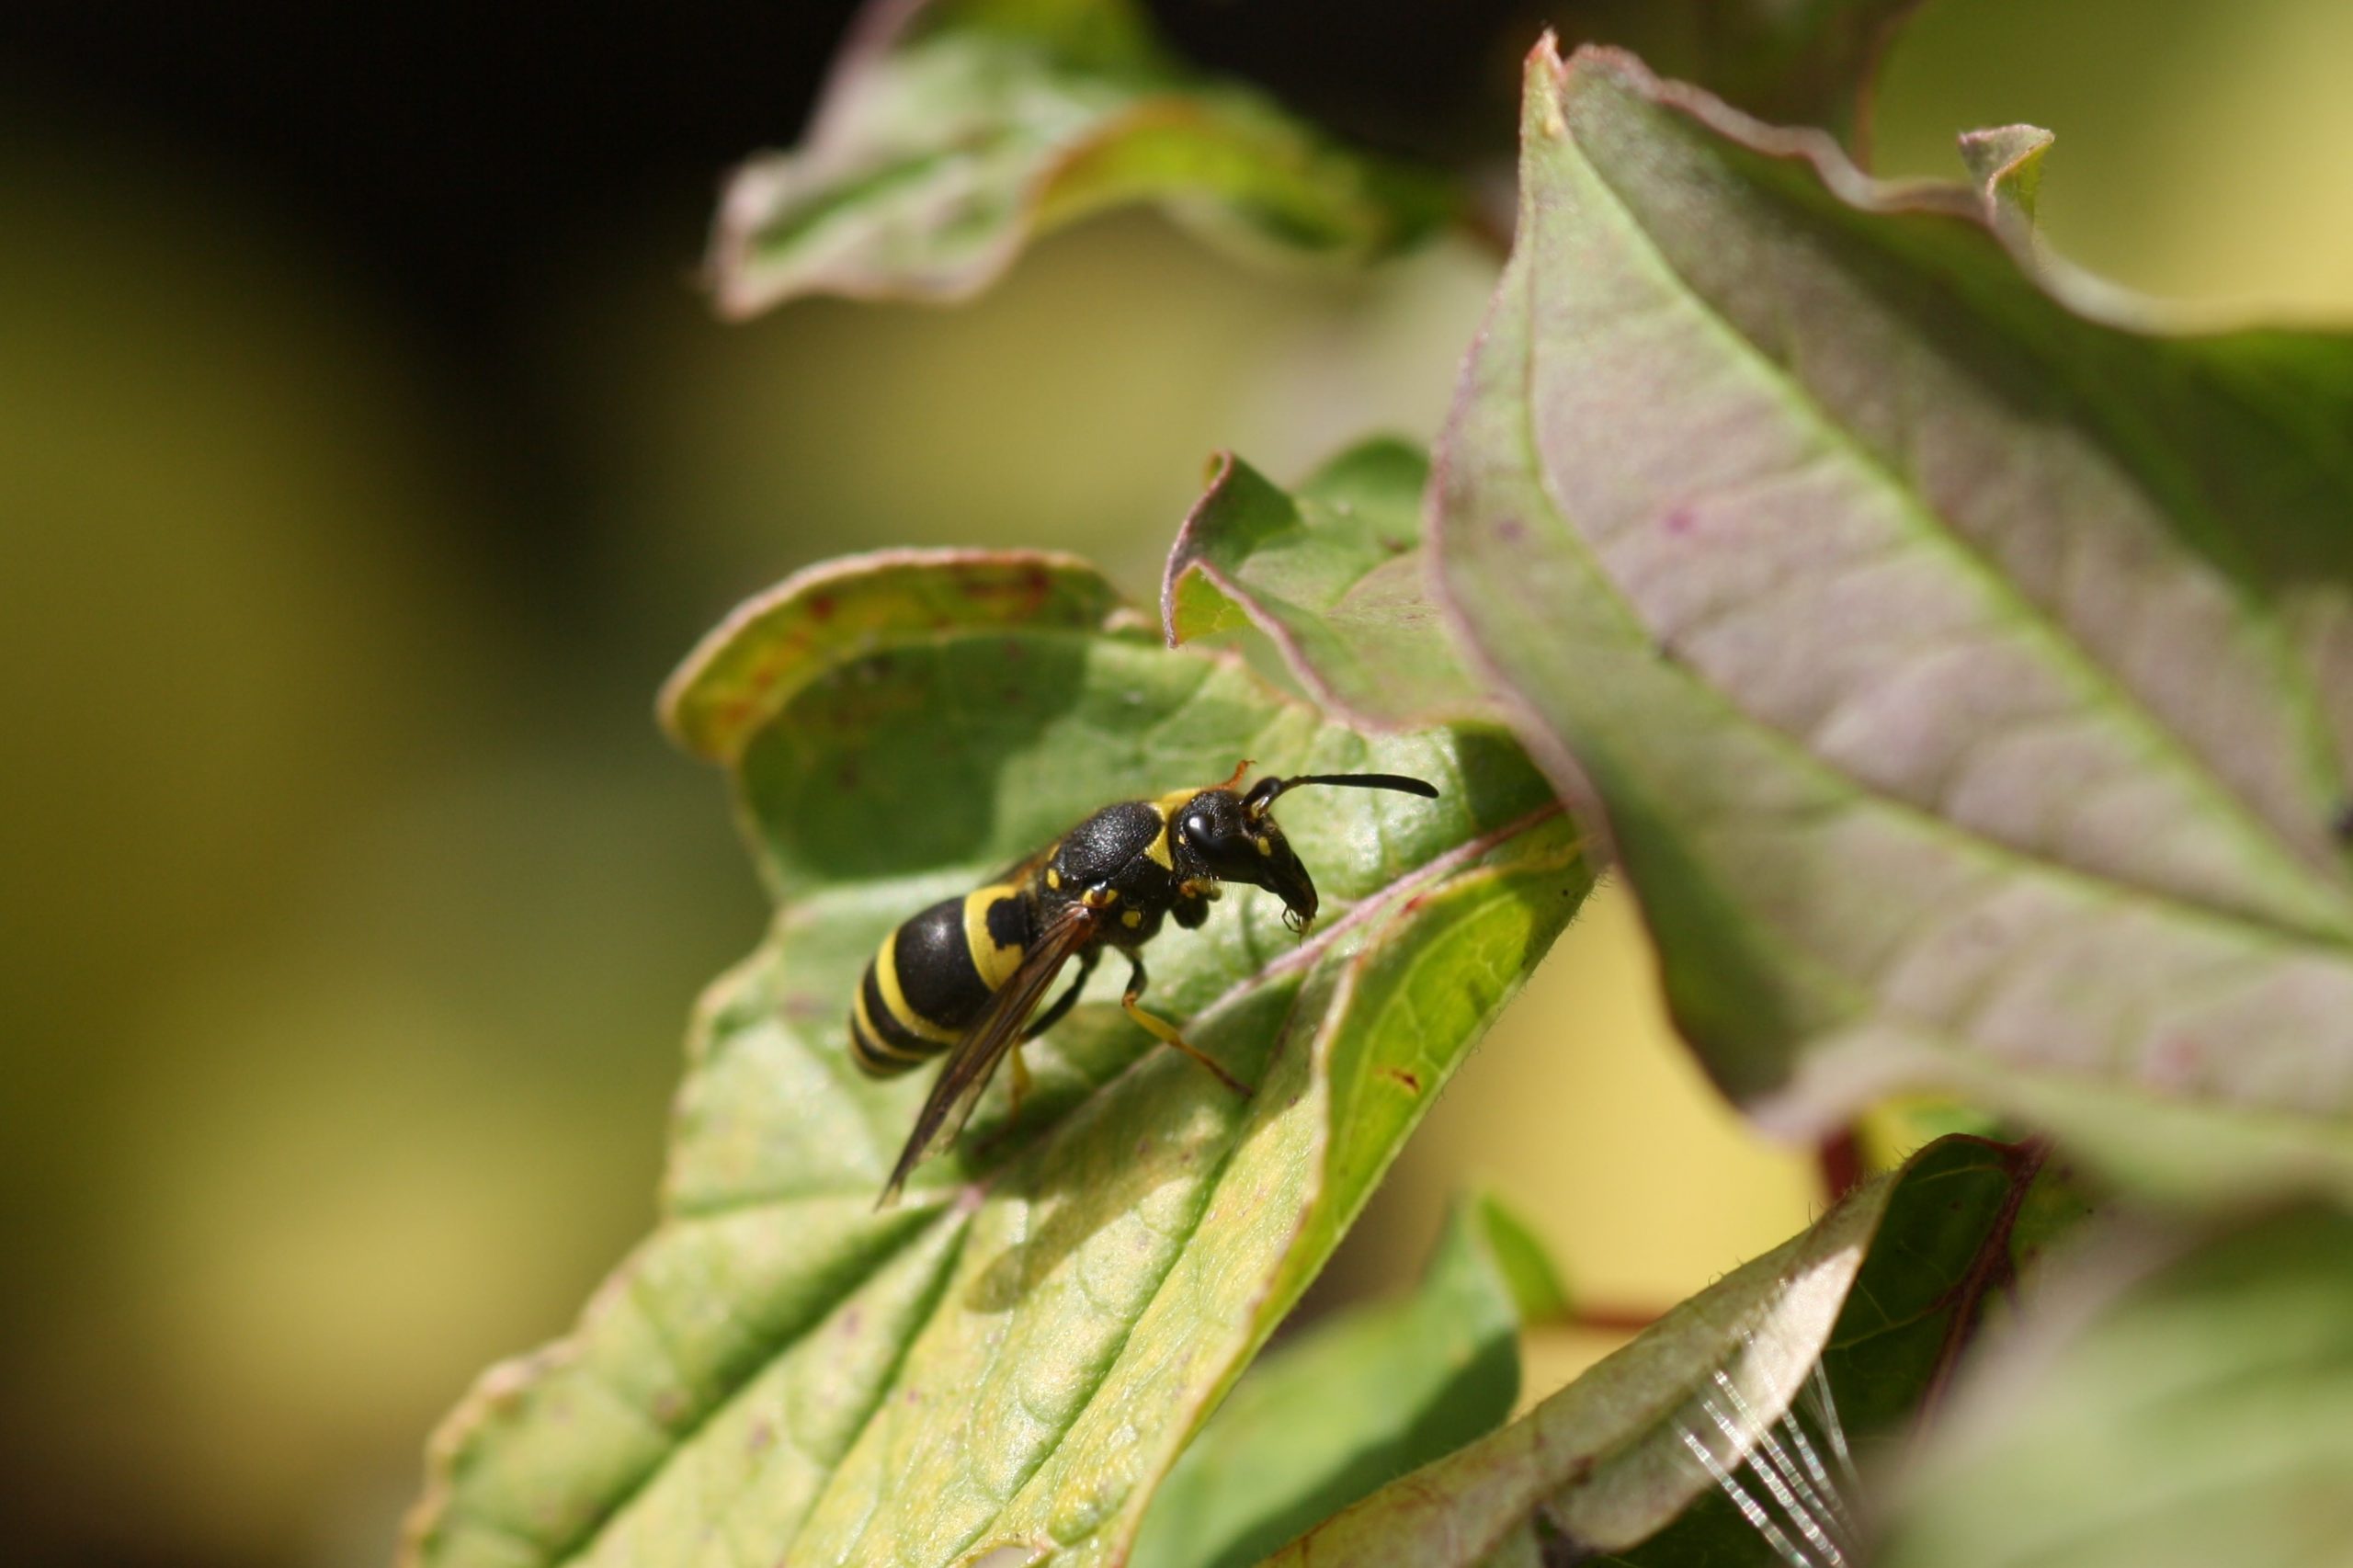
[{"x": 367, "y": 457}]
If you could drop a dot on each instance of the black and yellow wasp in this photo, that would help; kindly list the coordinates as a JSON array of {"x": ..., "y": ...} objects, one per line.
[{"x": 965, "y": 976}]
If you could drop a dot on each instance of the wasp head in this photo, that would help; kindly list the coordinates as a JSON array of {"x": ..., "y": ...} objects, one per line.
[
  {"x": 1217, "y": 834},
  {"x": 1235, "y": 838}
]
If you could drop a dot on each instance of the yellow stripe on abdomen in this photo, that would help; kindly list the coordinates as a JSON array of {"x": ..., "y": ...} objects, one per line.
[
  {"x": 872, "y": 1048},
  {"x": 886, "y": 980}
]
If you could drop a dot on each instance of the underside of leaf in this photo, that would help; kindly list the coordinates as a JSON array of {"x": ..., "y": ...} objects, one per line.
[{"x": 1967, "y": 681}]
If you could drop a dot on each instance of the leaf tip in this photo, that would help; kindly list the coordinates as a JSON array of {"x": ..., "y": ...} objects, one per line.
[
  {"x": 1184, "y": 555},
  {"x": 768, "y": 648},
  {"x": 2006, "y": 163},
  {"x": 748, "y": 198}
]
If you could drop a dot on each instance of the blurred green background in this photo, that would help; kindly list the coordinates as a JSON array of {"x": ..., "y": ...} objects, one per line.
[{"x": 368, "y": 458}]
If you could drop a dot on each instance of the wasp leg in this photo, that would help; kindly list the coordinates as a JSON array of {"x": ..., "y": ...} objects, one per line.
[
  {"x": 1165, "y": 1032},
  {"x": 1017, "y": 1089}
]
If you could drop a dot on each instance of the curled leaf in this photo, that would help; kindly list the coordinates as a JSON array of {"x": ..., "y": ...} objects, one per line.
[
  {"x": 1607, "y": 1462},
  {"x": 952, "y": 131},
  {"x": 1335, "y": 574}
]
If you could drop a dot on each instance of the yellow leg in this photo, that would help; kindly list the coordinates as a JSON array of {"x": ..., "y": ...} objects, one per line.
[
  {"x": 1018, "y": 1089},
  {"x": 1165, "y": 1032}
]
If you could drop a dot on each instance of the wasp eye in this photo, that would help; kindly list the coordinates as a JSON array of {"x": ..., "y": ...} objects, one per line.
[{"x": 1194, "y": 831}]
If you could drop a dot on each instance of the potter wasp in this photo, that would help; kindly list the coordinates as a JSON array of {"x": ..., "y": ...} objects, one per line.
[{"x": 965, "y": 977}]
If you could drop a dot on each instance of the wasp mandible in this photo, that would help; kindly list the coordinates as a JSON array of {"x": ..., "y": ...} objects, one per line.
[{"x": 964, "y": 977}]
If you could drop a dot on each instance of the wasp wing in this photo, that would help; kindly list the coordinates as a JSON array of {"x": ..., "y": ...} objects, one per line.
[
  {"x": 1022, "y": 871},
  {"x": 973, "y": 1059}
]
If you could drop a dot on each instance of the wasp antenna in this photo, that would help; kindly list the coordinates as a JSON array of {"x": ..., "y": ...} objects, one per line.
[
  {"x": 1262, "y": 794},
  {"x": 1235, "y": 778},
  {"x": 1396, "y": 781}
]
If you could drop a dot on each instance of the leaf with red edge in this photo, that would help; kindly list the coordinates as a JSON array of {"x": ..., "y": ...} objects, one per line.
[{"x": 1960, "y": 655}]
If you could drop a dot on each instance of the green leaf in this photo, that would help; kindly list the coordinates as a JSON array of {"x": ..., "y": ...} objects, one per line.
[
  {"x": 2170, "y": 1405},
  {"x": 1601, "y": 1466},
  {"x": 1016, "y": 1354},
  {"x": 1965, "y": 671},
  {"x": 1334, "y": 576},
  {"x": 950, "y": 132},
  {"x": 1800, "y": 64},
  {"x": 1356, "y": 1401}
]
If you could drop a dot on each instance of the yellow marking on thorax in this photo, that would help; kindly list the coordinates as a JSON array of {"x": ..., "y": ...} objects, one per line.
[
  {"x": 995, "y": 962},
  {"x": 1132, "y": 919},
  {"x": 886, "y": 976},
  {"x": 1157, "y": 851}
]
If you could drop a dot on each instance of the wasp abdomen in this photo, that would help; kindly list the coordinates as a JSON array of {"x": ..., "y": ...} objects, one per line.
[{"x": 934, "y": 975}]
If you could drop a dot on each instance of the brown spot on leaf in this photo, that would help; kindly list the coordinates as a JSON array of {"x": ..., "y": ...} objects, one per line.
[
  {"x": 1030, "y": 587},
  {"x": 1556, "y": 1546},
  {"x": 821, "y": 607},
  {"x": 1411, "y": 1081},
  {"x": 2175, "y": 1062}
]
